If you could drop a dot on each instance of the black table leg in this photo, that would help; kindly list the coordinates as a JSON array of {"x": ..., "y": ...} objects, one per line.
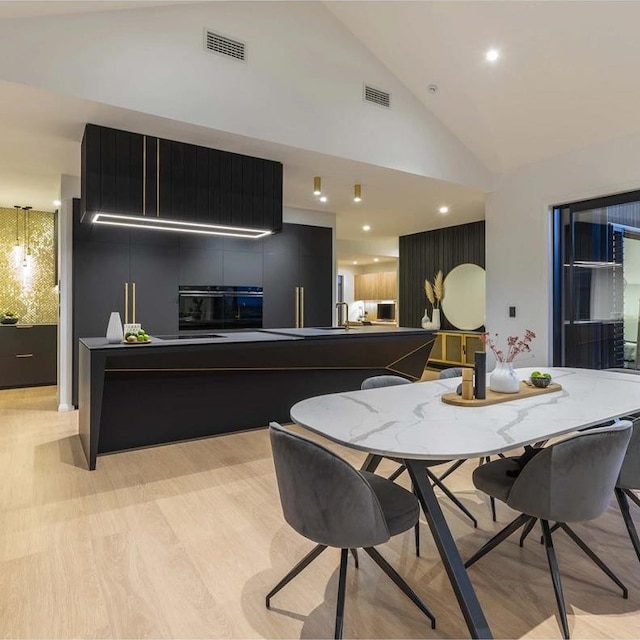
[{"x": 448, "y": 551}]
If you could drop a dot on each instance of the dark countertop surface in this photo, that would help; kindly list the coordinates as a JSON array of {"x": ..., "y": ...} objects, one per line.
[{"x": 259, "y": 335}]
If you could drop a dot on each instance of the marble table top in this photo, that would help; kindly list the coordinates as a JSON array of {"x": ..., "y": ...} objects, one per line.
[{"x": 411, "y": 421}]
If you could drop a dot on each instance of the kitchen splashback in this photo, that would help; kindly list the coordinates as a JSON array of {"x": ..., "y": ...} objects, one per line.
[{"x": 37, "y": 301}]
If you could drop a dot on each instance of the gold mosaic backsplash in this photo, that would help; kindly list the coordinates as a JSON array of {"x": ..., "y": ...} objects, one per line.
[{"x": 34, "y": 299}]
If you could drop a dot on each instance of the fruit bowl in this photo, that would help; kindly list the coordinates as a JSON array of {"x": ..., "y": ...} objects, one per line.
[
  {"x": 140, "y": 337},
  {"x": 542, "y": 380}
]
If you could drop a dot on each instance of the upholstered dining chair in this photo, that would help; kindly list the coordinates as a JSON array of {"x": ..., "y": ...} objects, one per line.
[
  {"x": 386, "y": 381},
  {"x": 332, "y": 504},
  {"x": 628, "y": 481},
  {"x": 569, "y": 481}
]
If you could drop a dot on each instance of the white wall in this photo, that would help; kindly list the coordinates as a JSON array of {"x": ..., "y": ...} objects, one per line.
[
  {"x": 301, "y": 85},
  {"x": 518, "y": 231}
]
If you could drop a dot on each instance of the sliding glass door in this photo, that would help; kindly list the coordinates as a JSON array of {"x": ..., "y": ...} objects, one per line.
[{"x": 597, "y": 282}]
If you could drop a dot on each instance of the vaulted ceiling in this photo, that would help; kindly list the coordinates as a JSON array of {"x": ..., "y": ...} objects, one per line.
[{"x": 567, "y": 77}]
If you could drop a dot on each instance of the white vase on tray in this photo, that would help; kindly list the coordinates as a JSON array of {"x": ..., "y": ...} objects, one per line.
[{"x": 503, "y": 378}]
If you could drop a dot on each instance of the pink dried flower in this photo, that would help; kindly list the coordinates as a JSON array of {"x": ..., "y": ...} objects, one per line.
[{"x": 515, "y": 344}]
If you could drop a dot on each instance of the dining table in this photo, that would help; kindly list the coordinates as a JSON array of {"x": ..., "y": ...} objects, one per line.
[{"x": 411, "y": 423}]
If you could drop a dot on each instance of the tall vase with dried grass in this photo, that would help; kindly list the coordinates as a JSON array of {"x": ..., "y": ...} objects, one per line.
[{"x": 435, "y": 294}]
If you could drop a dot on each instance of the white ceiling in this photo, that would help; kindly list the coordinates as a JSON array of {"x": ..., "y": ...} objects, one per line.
[
  {"x": 32, "y": 8},
  {"x": 40, "y": 135},
  {"x": 567, "y": 77}
]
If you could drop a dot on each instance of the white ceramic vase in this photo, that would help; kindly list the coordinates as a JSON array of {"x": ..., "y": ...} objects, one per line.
[
  {"x": 503, "y": 378},
  {"x": 435, "y": 320},
  {"x": 431, "y": 324},
  {"x": 114, "y": 328}
]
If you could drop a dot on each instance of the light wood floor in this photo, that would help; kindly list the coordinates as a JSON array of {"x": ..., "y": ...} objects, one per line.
[{"x": 184, "y": 541}]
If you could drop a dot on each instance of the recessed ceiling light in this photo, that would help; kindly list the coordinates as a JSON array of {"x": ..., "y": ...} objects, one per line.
[
  {"x": 376, "y": 259},
  {"x": 355, "y": 262},
  {"x": 366, "y": 227},
  {"x": 492, "y": 55},
  {"x": 323, "y": 198},
  {"x": 56, "y": 203},
  {"x": 443, "y": 209}
]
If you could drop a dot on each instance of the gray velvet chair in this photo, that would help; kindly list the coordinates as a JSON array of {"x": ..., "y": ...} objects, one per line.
[
  {"x": 376, "y": 382},
  {"x": 628, "y": 481},
  {"x": 329, "y": 502},
  {"x": 570, "y": 481}
]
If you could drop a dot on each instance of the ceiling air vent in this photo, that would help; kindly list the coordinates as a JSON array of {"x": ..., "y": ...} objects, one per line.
[
  {"x": 377, "y": 96},
  {"x": 224, "y": 46}
]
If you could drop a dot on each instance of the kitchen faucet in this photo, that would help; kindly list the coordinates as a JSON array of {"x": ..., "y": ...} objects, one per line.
[{"x": 346, "y": 316}]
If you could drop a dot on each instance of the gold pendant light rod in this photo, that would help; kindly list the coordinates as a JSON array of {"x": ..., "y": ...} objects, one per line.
[{"x": 317, "y": 186}]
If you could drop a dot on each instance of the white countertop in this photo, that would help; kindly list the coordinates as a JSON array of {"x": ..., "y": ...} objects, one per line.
[{"x": 411, "y": 421}]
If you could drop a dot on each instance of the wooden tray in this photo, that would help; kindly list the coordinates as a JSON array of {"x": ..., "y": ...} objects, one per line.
[{"x": 526, "y": 391}]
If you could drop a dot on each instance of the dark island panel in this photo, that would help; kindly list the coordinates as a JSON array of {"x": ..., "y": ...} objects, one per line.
[{"x": 134, "y": 397}]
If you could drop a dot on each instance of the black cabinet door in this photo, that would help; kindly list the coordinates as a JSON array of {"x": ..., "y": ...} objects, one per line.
[
  {"x": 315, "y": 268},
  {"x": 155, "y": 269},
  {"x": 100, "y": 270}
]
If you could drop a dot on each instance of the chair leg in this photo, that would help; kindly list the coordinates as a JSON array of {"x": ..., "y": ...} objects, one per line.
[
  {"x": 451, "y": 469},
  {"x": 303, "y": 564},
  {"x": 555, "y": 577},
  {"x": 553, "y": 529},
  {"x": 604, "y": 568},
  {"x": 400, "y": 583},
  {"x": 527, "y": 530},
  {"x": 342, "y": 587},
  {"x": 416, "y": 533},
  {"x": 397, "y": 473},
  {"x": 354, "y": 553},
  {"x": 492, "y": 502},
  {"x": 623, "y": 503},
  {"x": 501, "y": 536},
  {"x": 633, "y": 496},
  {"x": 451, "y": 497}
]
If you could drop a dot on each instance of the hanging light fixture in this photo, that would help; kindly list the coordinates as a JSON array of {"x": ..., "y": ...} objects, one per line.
[
  {"x": 18, "y": 250},
  {"x": 317, "y": 186},
  {"x": 26, "y": 260},
  {"x": 357, "y": 193}
]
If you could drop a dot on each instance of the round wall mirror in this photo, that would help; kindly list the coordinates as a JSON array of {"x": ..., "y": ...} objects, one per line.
[{"x": 464, "y": 301}]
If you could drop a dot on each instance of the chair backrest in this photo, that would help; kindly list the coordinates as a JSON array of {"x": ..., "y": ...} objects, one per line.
[
  {"x": 376, "y": 382},
  {"x": 323, "y": 497},
  {"x": 572, "y": 480},
  {"x": 630, "y": 472},
  {"x": 452, "y": 372}
]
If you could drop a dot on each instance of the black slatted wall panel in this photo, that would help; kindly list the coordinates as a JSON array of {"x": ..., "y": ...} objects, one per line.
[{"x": 423, "y": 254}]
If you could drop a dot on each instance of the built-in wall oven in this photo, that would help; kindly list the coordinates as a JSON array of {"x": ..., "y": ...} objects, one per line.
[{"x": 215, "y": 307}]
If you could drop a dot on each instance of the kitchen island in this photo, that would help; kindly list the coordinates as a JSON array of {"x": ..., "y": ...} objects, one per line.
[{"x": 176, "y": 389}]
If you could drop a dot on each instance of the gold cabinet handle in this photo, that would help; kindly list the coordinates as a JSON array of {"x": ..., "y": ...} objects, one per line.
[
  {"x": 24, "y": 326},
  {"x": 24, "y": 355},
  {"x": 297, "y": 307},
  {"x": 126, "y": 303},
  {"x": 301, "y": 307}
]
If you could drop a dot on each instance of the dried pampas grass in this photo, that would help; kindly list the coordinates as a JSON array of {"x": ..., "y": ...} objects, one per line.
[{"x": 435, "y": 291}]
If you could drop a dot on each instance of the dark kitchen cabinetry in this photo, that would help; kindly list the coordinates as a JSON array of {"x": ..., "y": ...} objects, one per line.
[
  {"x": 104, "y": 259},
  {"x": 132, "y": 174},
  {"x": 28, "y": 355},
  {"x": 300, "y": 256}
]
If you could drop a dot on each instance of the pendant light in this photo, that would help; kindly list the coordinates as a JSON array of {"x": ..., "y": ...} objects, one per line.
[
  {"x": 317, "y": 186},
  {"x": 357, "y": 193},
  {"x": 17, "y": 249},
  {"x": 26, "y": 261}
]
